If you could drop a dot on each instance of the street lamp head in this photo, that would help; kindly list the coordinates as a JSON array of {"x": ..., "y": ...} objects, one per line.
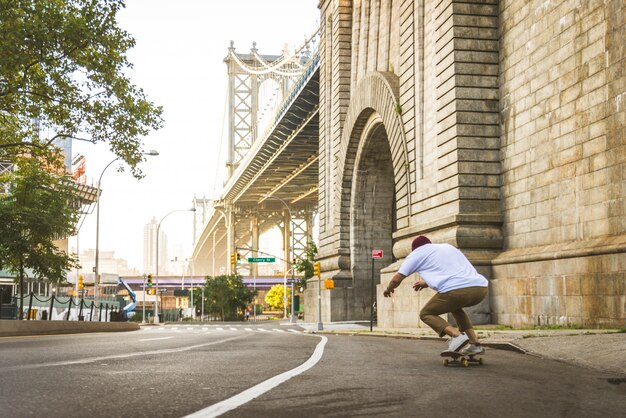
[{"x": 151, "y": 152}]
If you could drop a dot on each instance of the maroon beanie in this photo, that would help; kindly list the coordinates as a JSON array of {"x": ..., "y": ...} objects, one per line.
[{"x": 419, "y": 241}]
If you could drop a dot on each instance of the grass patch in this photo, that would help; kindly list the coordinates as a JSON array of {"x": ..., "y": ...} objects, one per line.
[{"x": 530, "y": 328}]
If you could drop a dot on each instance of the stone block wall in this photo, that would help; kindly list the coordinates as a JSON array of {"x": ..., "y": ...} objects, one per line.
[
  {"x": 510, "y": 145},
  {"x": 562, "y": 84}
]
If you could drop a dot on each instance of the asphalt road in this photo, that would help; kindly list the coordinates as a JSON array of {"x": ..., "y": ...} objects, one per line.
[{"x": 174, "y": 371}]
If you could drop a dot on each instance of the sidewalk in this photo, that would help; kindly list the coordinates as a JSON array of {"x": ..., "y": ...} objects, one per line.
[{"x": 603, "y": 350}]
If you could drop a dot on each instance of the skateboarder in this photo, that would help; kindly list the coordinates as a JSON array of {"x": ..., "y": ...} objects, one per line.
[{"x": 447, "y": 271}]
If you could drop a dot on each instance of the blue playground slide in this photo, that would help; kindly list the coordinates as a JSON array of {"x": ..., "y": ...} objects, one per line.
[{"x": 128, "y": 308}]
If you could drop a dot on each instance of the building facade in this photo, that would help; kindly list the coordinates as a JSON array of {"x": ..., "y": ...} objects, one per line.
[
  {"x": 150, "y": 249},
  {"x": 495, "y": 126}
]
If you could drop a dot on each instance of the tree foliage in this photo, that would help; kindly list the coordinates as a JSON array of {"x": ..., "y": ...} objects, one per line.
[
  {"x": 62, "y": 64},
  {"x": 306, "y": 266},
  {"x": 274, "y": 297},
  {"x": 38, "y": 210},
  {"x": 225, "y": 296}
]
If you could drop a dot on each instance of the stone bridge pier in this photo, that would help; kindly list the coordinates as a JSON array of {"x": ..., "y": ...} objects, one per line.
[{"x": 495, "y": 126}]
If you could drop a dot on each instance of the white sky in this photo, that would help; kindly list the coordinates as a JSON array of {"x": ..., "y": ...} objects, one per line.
[{"x": 178, "y": 62}]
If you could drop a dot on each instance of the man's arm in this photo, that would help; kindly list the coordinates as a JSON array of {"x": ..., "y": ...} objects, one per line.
[{"x": 393, "y": 283}]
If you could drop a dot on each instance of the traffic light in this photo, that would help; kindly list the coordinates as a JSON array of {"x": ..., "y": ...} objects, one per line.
[
  {"x": 317, "y": 271},
  {"x": 81, "y": 284},
  {"x": 149, "y": 282},
  {"x": 238, "y": 258},
  {"x": 233, "y": 259}
]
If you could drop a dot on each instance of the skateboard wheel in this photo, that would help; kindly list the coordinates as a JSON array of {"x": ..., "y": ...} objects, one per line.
[
  {"x": 446, "y": 362},
  {"x": 465, "y": 362},
  {"x": 480, "y": 360}
]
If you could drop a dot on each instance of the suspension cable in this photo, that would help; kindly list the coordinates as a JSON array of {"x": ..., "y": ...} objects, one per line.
[{"x": 275, "y": 67}]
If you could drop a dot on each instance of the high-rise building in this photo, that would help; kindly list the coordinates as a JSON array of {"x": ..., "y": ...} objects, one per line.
[{"x": 150, "y": 249}]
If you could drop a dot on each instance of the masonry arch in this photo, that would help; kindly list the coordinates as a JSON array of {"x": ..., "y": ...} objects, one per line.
[{"x": 374, "y": 176}]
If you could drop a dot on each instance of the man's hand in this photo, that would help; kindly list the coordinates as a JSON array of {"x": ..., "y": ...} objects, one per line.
[
  {"x": 419, "y": 285},
  {"x": 393, "y": 283}
]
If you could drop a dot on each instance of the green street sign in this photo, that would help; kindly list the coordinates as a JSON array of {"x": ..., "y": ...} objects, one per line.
[{"x": 262, "y": 260}]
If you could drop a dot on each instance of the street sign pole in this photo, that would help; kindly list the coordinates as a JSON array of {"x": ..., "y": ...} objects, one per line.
[
  {"x": 143, "y": 318},
  {"x": 372, "y": 299},
  {"x": 375, "y": 254}
]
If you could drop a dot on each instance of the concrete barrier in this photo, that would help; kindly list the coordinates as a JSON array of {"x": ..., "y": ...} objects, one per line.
[{"x": 12, "y": 328}]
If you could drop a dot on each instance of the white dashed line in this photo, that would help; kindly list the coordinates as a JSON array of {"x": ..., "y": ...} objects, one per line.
[
  {"x": 120, "y": 356},
  {"x": 154, "y": 339}
]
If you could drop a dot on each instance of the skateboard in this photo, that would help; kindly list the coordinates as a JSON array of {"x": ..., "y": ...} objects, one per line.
[{"x": 460, "y": 359}]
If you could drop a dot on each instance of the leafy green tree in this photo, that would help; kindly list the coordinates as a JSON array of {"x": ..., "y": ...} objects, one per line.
[
  {"x": 274, "y": 297},
  {"x": 38, "y": 209},
  {"x": 225, "y": 296},
  {"x": 306, "y": 266},
  {"x": 63, "y": 65}
]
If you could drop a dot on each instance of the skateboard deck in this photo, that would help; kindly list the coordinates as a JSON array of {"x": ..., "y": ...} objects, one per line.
[{"x": 455, "y": 358}]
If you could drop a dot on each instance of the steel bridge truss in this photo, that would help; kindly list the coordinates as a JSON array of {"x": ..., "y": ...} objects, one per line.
[{"x": 273, "y": 163}]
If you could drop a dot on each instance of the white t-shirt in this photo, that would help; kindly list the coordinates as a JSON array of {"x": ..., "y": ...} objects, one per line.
[{"x": 443, "y": 267}]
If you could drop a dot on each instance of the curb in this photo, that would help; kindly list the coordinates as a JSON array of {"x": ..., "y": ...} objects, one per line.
[
  {"x": 13, "y": 328},
  {"x": 503, "y": 345}
]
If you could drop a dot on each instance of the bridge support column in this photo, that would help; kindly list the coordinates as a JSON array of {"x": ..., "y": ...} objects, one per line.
[
  {"x": 230, "y": 239},
  {"x": 254, "y": 235}
]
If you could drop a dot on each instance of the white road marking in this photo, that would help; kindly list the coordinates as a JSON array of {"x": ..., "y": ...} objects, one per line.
[
  {"x": 263, "y": 330},
  {"x": 258, "y": 390},
  {"x": 249, "y": 329},
  {"x": 154, "y": 339},
  {"x": 277, "y": 330},
  {"x": 220, "y": 329},
  {"x": 120, "y": 356},
  {"x": 294, "y": 330},
  {"x": 233, "y": 329}
]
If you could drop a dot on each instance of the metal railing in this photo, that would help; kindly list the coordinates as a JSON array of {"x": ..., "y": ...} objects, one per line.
[{"x": 62, "y": 308}]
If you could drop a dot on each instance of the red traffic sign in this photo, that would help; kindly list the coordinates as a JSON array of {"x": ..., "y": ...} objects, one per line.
[{"x": 377, "y": 253}]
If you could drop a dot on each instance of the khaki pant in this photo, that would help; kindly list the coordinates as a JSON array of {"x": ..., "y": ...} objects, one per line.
[{"x": 451, "y": 302}]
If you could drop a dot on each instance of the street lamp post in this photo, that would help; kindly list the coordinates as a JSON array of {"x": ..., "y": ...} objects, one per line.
[
  {"x": 156, "y": 305},
  {"x": 293, "y": 256},
  {"x": 97, "y": 255}
]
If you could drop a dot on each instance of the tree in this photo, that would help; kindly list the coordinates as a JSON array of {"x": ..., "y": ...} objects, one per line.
[
  {"x": 225, "y": 296},
  {"x": 62, "y": 68},
  {"x": 274, "y": 297},
  {"x": 306, "y": 266},
  {"x": 37, "y": 209},
  {"x": 62, "y": 65}
]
